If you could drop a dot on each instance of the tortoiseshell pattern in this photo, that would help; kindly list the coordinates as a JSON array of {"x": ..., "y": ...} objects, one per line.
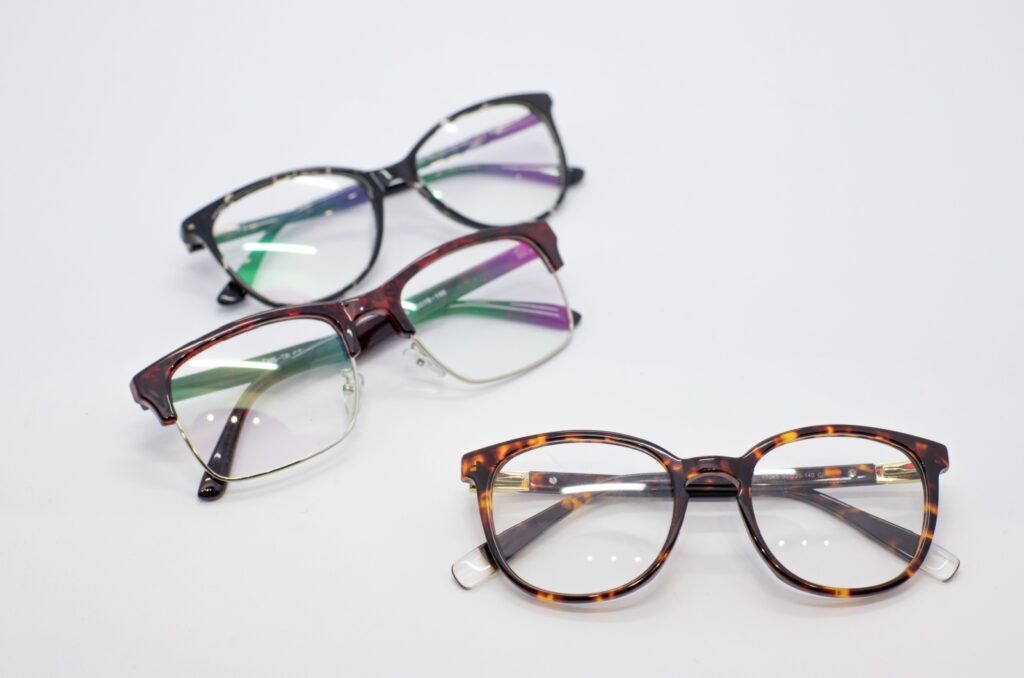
[
  {"x": 197, "y": 229},
  {"x": 714, "y": 476},
  {"x": 361, "y": 322}
]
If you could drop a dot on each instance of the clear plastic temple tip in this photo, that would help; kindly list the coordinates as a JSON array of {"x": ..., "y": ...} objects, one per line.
[
  {"x": 940, "y": 563},
  {"x": 472, "y": 568}
]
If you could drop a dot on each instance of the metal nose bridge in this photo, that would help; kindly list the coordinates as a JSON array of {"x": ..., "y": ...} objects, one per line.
[{"x": 712, "y": 478}]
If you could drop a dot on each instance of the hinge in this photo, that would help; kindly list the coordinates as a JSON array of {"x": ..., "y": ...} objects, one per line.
[
  {"x": 511, "y": 482},
  {"x": 896, "y": 472}
]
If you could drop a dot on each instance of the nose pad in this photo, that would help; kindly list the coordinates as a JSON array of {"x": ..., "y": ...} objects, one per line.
[
  {"x": 354, "y": 383},
  {"x": 420, "y": 359},
  {"x": 713, "y": 484}
]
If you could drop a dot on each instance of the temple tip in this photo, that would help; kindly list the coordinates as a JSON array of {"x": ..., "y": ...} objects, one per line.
[
  {"x": 940, "y": 563},
  {"x": 231, "y": 294},
  {"x": 458, "y": 581},
  {"x": 473, "y": 568},
  {"x": 211, "y": 489}
]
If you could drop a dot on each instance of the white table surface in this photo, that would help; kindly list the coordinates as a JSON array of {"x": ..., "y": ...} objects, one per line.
[{"x": 793, "y": 213}]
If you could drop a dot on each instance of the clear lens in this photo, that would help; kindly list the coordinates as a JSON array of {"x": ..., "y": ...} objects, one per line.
[
  {"x": 299, "y": 239},
  {"x": 581, "y": 518},
  {"x": 498, "y": 165},
  {"x": 268, "y": 398},
  {"x": 836, "y": 511},
  {"x": 489, "y": 310}
]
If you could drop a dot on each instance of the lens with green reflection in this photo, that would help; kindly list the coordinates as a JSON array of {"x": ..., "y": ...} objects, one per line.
[
  {"x": 266, "y": 399},
  {"x": 299, "y": 239}
]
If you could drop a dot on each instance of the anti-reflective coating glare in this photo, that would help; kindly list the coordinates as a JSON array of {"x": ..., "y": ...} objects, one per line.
[
  {"x": 581, "y": 518},
  {"x": 299, "y": 239},
  {"x": 266, "y": 399},
  {"x": 796, "y": 507},
  {"x": 498, "y": 165},
  {"x": 489, "y": 311}
]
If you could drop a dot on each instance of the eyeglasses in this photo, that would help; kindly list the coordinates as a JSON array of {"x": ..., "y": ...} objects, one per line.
[
  {"x": 312, "y": 234},
  {"x": 586, "y": 516},
  {"x": 280, "y": 387}
]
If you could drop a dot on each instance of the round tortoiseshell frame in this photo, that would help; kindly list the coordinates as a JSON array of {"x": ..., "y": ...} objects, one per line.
[
  {"x": 197, "y": 228},
  {"x": 361, "y": 321},
  {"x": 930, "y": 459}
]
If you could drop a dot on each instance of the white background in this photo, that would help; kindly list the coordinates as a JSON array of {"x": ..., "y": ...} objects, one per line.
[{"x": 794, "y": 213}]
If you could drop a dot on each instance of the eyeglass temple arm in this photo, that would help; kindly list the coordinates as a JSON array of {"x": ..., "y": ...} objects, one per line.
[
  {"x": 355, "y": 195},
  {"x": 798, "y": 484},
  {"x": 221, "y": 378},
  {"x": 442, "y": 298},
  {"x": 940, "y": 563},
  {"x": 272, "y": 225},
  {"x": 439, "y": 299},
  {"x": 481, "y": 139},
  {"x": 447, "y": 295}
]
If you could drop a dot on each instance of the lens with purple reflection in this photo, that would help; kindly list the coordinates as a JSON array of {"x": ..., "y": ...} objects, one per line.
[
  {"x": 489, "y": 311},
  {"x": 497, "y": 165}
]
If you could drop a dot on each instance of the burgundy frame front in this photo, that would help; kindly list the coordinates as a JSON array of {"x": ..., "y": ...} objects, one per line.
[{"x": 361, "y": 322}]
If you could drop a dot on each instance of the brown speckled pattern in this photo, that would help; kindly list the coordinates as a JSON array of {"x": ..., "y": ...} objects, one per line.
[{"x": 688, "y": 476}]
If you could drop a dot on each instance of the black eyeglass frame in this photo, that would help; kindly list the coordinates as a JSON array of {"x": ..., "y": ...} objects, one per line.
[{"x": 197, "y": 228}]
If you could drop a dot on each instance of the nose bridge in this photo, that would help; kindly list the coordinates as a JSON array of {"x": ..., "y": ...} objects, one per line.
[
  {"x": 712, "y": 477},
  {"x": 374, "y": 320},
  {"x": 401, "y": 171}
]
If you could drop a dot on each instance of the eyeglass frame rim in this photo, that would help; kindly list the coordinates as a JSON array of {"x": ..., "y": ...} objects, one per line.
[
  {"x": 197, "y": 228},
  {"x": 930, "y": 458}
]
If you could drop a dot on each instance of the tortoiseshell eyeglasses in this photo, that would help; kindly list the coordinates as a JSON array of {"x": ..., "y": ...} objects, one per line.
[
  {"x": 281, "y": 387},
  {"x": 312, "y": 234},
  {"x": 586, "y": 516}
]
